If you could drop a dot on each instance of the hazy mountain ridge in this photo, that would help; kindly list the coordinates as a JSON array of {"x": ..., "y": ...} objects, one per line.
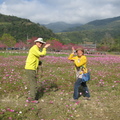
[
  {"x": 104, "y": 21},
  {"x": 60, "y": 26},
  {"x": 107, "y": 24}
]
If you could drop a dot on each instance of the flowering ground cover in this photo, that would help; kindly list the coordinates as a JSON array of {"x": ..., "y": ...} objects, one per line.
[{"x": 55, "y": 82}]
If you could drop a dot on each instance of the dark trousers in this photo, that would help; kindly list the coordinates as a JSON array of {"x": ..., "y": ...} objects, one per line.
[
  {"x": 78, "y": 84},
  {"x": 31, "y": 75}
]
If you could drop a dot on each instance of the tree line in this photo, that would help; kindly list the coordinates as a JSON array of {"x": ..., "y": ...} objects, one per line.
[{"x": 8, "y": 42}]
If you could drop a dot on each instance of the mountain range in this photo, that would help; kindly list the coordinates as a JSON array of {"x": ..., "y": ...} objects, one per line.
[
  {"x": 57, "y": 27},
  {"x": 109, "y": 23},
  {"x": 94, "y": 31}
]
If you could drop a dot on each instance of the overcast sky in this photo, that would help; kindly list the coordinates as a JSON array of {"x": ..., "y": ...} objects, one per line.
[{"x": 70, "y": 11}]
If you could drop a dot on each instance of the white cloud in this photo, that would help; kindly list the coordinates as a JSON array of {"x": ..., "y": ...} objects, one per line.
[{"x": 70, "y": 11}]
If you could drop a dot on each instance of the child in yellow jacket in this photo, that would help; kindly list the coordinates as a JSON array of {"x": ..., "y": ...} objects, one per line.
[{"x": 80, "y": 62}]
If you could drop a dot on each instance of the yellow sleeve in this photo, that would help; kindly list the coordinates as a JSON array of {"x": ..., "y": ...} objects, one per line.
[
  {"x": 71, "y": 57},
  {"x": 83, "y": 61},
  {"x": 35, "y": 51}
]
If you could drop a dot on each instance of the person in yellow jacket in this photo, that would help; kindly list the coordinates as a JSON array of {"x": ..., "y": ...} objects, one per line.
[
  {"x": 80, "y": 62},
  {"x": 31, "y": 66}
]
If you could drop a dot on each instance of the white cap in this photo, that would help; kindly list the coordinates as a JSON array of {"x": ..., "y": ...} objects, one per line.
[{"x": 40, "y": 40}]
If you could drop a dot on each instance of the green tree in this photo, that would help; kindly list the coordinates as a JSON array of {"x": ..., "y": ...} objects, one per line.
[
  {"x": 108, "y": 41},
  {"x": 8, "y": 40},
  {"x": 117, "y": 44}
]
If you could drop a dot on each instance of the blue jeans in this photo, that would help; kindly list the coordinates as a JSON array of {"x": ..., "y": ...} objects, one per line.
[{"x": 77, "y": 84}]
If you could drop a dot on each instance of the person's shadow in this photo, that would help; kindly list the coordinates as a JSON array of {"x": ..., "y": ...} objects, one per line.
[{"x": 42, "y": 89}]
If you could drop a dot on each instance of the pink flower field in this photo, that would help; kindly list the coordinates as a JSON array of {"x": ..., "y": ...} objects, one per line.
[{"x": 55, "y": 82}]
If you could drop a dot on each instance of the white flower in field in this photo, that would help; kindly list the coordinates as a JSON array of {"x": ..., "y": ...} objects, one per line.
[
  {"x": 26, "y": 105},
  {"x": 20, "y": 112},
  {"x": 25, "y": 87},
  {"x": 17, "y": 96},
  {"x": 42, "y": 100},
  {"x": 61, "y": 98},
  {"x": 80, "y": 93},
  {"x": 75, "y": 111},
  {"x": 66, "y": 93}
]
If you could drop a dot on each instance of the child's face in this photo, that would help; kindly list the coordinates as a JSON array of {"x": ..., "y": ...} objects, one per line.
[{"x": 79, "y": 53}]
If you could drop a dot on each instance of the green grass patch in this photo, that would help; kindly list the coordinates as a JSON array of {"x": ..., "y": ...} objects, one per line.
[{"x": 9, "y": 53}]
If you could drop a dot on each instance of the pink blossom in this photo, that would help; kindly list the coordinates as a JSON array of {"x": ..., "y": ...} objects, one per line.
[
  {"x": 10, "y": 118},
  {"x": 51, "y": 102}
]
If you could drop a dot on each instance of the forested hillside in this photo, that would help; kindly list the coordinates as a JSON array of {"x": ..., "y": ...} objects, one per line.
[
  {"x": 93, "y": 31},
  {"x": 22, "y": 29},
  {"x": 95, "y": 36},
  {"x": 104, "y": 32}
]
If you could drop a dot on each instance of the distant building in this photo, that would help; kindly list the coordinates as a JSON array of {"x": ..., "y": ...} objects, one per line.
[{"x": 89, "y": 47}]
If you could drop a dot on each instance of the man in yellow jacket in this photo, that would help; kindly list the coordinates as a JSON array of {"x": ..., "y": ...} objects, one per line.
[
  {"x": 80, "y": 65},
  {"x": 31, "y": 67}
]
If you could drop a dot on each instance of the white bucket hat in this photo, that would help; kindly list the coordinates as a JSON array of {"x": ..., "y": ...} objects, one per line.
[{"x": 40, "y": 40}]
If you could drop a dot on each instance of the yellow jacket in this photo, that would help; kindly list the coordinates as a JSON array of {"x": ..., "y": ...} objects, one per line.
[
  {"x": 80, "y": 62},
  {"x": 32, "y": 60}
]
